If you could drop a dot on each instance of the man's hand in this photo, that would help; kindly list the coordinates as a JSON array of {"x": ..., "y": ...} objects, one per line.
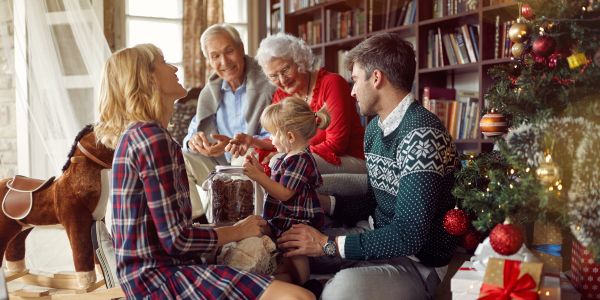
[
  {"x": 239, "y": 144},
  {"x": 302, "y": 239},
  {"x": 252, "y": 168},
  {"x": 200, "y": 143}
]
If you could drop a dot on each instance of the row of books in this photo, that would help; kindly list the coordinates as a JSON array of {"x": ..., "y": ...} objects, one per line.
[
  {"x": 399, "y": 13},
  {"x": 458, "y": 112},
  {"x": 276, "y": 24},
  {"x": 442, "y": 8},
  {"x": 310, "y": 32},
  {"x": 344, "y": 24},
  {"x": 502, "y": 42},
  {"x": 294, "y": 5},
  {"x": 451, "y": 48}
]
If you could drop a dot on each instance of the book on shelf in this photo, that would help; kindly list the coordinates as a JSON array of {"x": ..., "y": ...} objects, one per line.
[
  {"x": 462, "y": 47},
  {"x": 443, "y": 8},
  {"x": 468, "y": 42},
  {"x": 458, "y": 111}
]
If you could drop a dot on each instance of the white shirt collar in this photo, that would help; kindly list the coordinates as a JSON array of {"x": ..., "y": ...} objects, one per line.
[{"x": 392, "y": 121}]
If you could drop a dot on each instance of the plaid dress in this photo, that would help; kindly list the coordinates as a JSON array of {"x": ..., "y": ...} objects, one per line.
[
  {"x": 299, "y": 173},
  {"x": 156, "y": 246}
]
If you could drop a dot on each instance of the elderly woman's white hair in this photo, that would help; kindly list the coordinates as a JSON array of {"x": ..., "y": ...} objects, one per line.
[
  {"x": 286, "y": 46},
  {"x": 222, "y": 28}
]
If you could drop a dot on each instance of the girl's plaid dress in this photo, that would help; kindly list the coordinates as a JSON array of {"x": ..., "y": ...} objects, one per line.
[
  {"x": 299, "y": 173},
  {"x": 156, "y": 246}
]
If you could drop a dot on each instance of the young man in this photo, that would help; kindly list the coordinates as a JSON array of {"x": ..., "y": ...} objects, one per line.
[{"x": 403, "y": 251}]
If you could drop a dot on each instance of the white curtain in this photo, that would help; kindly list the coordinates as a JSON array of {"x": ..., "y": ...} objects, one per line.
[
  {"x": 64, "y": 54},
  {"x": 66, "y": 50}
]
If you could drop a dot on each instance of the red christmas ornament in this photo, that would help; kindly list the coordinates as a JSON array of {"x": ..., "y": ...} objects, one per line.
[
  {"x": 471, "y": 240},
  {"x": 544, "y": 45},
  {"x": 506, "y": 239},
  {"x": 456, "y": 222},
  {"x": 527, "y": 12}
]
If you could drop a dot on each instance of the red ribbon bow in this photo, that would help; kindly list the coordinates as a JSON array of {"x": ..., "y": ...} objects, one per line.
[{"x": 514, "y": 287}]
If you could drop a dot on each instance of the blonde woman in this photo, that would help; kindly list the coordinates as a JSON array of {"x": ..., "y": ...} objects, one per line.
[{"x": 156, "y": 246}]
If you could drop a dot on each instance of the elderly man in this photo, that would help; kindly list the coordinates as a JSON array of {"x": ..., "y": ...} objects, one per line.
[{"x": 230, "y": 104}]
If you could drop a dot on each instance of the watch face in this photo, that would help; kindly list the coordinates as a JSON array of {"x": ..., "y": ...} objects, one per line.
[{"x": 329, "y": 248}]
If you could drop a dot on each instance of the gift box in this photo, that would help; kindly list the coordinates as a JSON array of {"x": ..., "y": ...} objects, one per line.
[
  {"x": 467, "y": 281},
  {"x": 557, "y": 286},
  {"x": 510, "y": 277},
  {"x": 465, "y": 284},
  {"x": 546, "y": 245},
  {"x": 585, "y": 273}
]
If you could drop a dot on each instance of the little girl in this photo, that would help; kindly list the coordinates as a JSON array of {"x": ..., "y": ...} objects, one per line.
[{"x": 291, "y": 196}]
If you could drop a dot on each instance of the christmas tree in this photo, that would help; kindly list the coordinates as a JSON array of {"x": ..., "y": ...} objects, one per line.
[{"x": 545, "y": 167}]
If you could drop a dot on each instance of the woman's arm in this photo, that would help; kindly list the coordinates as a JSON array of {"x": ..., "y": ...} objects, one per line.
[
  {"x": 158, "y": 166},
  {"x": 340, "y": 105}
]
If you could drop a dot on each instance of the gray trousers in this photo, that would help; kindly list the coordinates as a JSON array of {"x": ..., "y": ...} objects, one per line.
[{"x": 396, "y": 278}]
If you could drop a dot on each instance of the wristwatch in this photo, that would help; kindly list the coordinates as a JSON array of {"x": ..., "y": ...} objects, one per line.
[{"x": 330, "y": 248}]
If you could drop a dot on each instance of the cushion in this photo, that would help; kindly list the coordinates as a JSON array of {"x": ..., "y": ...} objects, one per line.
[{"x": 105, "y": 253}]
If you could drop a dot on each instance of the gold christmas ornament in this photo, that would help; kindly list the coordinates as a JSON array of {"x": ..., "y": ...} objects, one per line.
[
  {"x": 576, "y": 60},
  {"x": 493, "y": 124},
  {"x": 519, "y": 32},
  {"x": 517, "y": 49},
  {"x": 548, "y": 171}
]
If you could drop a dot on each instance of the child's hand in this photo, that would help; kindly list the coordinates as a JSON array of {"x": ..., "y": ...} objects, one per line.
[{"x": 252, "y": 168}]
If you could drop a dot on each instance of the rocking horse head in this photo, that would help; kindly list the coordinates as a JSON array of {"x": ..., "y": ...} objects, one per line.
[{"x": 74, "y": 200}]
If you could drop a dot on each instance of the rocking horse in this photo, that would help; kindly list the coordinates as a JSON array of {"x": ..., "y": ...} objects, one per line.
[{"x": 74, "y": 200}]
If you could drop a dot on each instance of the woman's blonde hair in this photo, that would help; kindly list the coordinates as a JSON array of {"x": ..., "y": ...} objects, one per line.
[
  {"x": 294, "y": 115},
  {"x": 128, "y": 92}
]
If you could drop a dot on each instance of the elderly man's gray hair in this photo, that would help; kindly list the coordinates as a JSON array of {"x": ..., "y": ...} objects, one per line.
[
  {"x": 215, "y": 29},
  {"x": 286, "y": 46}
]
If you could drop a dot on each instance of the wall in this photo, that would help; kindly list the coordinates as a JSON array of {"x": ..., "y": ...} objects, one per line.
[{"x": 8, "y": 131}]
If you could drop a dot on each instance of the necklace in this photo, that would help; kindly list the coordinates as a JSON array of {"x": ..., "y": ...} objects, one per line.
[{"x": 308, "y": 87}]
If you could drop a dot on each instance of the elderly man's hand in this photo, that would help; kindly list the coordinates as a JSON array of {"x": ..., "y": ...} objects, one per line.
[
  {"x": 302, "y": 239},
  {"x": 239, "y": 144},
  {"x": 200, "y": 143}
]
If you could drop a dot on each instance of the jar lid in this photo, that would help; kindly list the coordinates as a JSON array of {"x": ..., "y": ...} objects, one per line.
[{"x": 229, "y": 169}]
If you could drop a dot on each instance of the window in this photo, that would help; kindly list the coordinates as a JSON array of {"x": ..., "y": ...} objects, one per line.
[
  {"x": 158, "y": 22},
  {"x": 235, "y": 13}
]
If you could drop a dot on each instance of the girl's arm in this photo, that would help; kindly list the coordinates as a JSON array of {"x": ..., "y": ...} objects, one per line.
[{"x": 254, "y": 170}]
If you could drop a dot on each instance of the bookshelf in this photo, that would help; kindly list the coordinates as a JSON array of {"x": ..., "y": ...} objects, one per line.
[{"x": 473, "y": 30}]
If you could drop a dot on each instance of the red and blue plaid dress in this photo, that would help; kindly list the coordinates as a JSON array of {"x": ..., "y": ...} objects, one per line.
[
  {"x": 156, "y": 246},
  {"x": 297, "y": 172}
]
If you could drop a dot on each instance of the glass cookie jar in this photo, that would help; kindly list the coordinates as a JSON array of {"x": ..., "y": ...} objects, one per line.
[{"x": 231, "y": 195}]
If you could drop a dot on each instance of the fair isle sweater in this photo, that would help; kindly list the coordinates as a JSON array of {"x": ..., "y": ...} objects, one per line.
[{"x": 411, "y": 174}]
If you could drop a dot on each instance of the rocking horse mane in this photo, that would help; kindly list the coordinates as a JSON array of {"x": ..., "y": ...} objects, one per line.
[{"x": 87, "y": 129}]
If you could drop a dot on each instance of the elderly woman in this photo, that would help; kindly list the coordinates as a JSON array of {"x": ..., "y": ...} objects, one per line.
[
  {"x": 290, "y": 65},
  {"x": 156, "y": 246}
]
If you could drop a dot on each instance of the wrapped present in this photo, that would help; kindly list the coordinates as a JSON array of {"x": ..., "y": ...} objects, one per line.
[
  {"x": 485, "y": 252},
  {"x": 465, "y": 284},
  {"x": 557, "y": 286},
  {"x": 510, "y": 279},
  {"x": 585, "y": 272},
  {"x": 547, "y": 246},
  {"x": 467, "y": 281}
]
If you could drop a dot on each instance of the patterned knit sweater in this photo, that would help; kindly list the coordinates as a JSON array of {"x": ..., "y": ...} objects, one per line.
[{"x": 411, "y": 174}]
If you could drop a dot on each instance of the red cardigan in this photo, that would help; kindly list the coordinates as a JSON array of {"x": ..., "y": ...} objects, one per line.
[{"x": 344, "y": 135}]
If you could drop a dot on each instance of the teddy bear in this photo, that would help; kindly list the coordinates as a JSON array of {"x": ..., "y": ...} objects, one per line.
[{"x": 253, "y": 254}]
